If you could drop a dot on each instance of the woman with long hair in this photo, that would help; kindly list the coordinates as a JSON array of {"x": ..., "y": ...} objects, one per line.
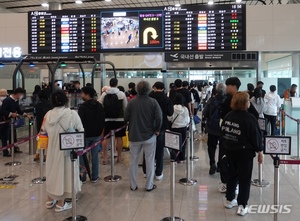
[{"x": 258, "y": 102}]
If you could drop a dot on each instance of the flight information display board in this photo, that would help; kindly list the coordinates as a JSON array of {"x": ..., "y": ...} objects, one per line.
[
  {"x": 205, "y": 28},
  {"x": 132, "y": 30},
  {"x": 64, "y": 32}
]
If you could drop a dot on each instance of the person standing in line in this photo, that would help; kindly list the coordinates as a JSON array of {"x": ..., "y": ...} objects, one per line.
[
  {"x": 3, "y": 96},
  {"x": 272, "y": 100},
  {"x": 258, "y": 102},
  {"x": 196, "y": 96},
  {"x": 131, "y": 86},
  {"x": 114, "y": 102},
  {"x": 92, "y": 117},
  {"x": 41, "y": 108},
  {"x": 179, "y": 122},
  {"x": 10, "y": 109},
  {"x": 241, "y": 138},
  {"x": 260, "y": 85},
  {"x": 166, "y": 106},
  {"x": 35, "y": 94},
  {"x": 187, "y": 98},
  {"x": 58, "y": 165},
  {"x": 293, "y": 90},
  {"x": 211, "y": 112},
  {"x": 232, "y": 86},
  {"x": 250, "y": 90},
  {"x": 145, "y": 120}
]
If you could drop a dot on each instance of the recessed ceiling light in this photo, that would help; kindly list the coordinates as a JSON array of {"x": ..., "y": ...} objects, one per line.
[
  {"x": 45, "y": 4},
  {"x": 238, "y": 1},
  {"x": 108, "y": 0},
  {"x": 210, "y": 2},
  {"x": 177, "y": 5},
  {"x": 78, "y": 2}
]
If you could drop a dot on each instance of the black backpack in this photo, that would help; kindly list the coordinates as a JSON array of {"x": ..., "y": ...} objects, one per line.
[
  {"x": 214, "y": 119},
  {"x": 112, "y": 106}
]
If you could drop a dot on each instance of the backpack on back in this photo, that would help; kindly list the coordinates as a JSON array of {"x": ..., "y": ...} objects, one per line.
[
  {"x": 112, "y": 106},
  {"x": 214, "y": 120}
]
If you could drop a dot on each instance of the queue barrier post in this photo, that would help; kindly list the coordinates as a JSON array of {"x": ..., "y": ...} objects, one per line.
[
  {"x": 13, "y": 162},
  {"x": 172, "y": 195},
  {"x": 74, "y": 216},
  {"x": 32, "y": 142},
  {"x": 188, "y": 181},
  {"x": 41, "y": 179},
  {"x": 276, "y": 184},
  {"x": 298, "y": 142},
  {"x": 193, "y": 157},
  {"x": 260, "y": 182},
  {"x": 112, "y": 177}
]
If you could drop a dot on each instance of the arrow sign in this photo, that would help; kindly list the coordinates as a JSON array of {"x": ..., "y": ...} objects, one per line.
[{"x": 145, "y": 34}]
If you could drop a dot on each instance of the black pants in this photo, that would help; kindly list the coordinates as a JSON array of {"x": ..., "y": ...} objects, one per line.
[
  {"x": 6, "y": 136},
  {"x": 272, "y": 121},
  {"x": 212, "y": 143},
  {"x": 240, "y": 172},
  {"x": 159, "y": 154}
]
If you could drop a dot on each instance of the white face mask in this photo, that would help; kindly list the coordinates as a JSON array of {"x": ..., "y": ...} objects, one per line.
[{"x": 2, "y": 98}]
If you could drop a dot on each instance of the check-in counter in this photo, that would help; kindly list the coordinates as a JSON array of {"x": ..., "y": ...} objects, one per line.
[{"x": 292, "y": 108}]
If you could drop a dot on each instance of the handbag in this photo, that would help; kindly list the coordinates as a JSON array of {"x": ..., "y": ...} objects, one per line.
[
  {"x": 197, "y": 119},
  {"x": 19, "y": 122},
  {"x": 42, "y": 138}
]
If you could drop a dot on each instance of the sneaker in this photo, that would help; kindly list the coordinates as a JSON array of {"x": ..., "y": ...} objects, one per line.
[
  {"x": 159, "y": 177},
  {"x": 230, "y": 204},
  {"x": 242, "y": 211},
  {"x": 51, "y": 204},
  {"x": 95, "y": 180},
  {"x": 67, "y": 206},
  {"x": 212, "y": 170},
  {"x": 223, "y": 188}
]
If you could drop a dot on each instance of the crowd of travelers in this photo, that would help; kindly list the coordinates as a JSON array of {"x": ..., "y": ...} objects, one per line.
[{"x": 229, "y": 117}]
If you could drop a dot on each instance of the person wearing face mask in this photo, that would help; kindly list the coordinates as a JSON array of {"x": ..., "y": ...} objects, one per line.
[
  {"x": 10, "y": 109},
  {"x": 92, "y": 117}
]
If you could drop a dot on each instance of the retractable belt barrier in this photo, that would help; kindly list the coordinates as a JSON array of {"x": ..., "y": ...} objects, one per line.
[
  {"x": 18, "y": 143},
  {"x": 291, "y": 162}
]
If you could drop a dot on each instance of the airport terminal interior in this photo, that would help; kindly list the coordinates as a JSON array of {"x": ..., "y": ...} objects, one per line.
[{"x": 63, "y": 55}]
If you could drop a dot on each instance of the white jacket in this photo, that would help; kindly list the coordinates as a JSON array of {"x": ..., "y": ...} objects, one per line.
[
  {"x": 273, "y": 103},
  {"x": 183, "y": 118},
  {"x": 260, "y": 106}
]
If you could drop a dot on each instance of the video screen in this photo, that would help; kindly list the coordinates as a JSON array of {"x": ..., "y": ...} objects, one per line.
[{"x": 119, "y": 30}]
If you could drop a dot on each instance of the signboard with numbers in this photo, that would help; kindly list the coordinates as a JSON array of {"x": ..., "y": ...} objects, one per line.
[
  {"x": 64, "y": 31},
  {"x": 71, "y": 141},
  {"x": 205, "y": 28},
  {"x": 277, "y": 145}
]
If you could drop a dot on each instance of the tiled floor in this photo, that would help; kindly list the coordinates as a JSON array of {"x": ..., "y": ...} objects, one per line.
[{"x": 114, "y": 201}]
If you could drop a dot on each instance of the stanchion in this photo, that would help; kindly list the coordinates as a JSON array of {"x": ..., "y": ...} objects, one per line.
[
  {"x": 13, "y": 162},
  {"x": 41, "y": 179},
  {"x": 193, "y": 158},
  {"x": 276, "y": 184},
  {"x": 112, "y": 177},
  {"x": 172, "y": 195},
  {"x": 32, "y": 142},
  {"x": 260, "y": 182},
  {"x": 298, "y": 142},
  {"x": 188, "y": 181},
  {"x": 74, "y": 216}
]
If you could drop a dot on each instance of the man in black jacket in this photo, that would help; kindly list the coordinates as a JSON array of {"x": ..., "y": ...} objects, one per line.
[
  {"x": 232, "y": 87},
  {"x": 166, "y": 106},
  {"x": 10, "y": 109},
  {"x": 91, "y": 113},
  {"x": 211, "y": 112}
]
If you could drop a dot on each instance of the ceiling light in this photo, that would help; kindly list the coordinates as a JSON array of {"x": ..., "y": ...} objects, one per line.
[
  {"x": 45, "y": 4},
  {"x": 238, "y": 1},
  {"x": 31, "y": 64},
  {"x": 78, "y": 2},
  {"x": 210, "y": 2},
  {"x": 63, "y": 64},
  {"x": 1, "y": 65},
  {"x": 177, "y": 5},
  {"x": 108, "y": 0}
]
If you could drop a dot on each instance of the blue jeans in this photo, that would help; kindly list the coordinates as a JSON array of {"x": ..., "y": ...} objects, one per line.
[{"x": 95, "y": 158}]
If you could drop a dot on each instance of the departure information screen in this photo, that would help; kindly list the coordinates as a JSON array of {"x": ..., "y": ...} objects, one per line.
[
  {"x": 205, "y": 28},
  {"x": 64, "y": 32}
]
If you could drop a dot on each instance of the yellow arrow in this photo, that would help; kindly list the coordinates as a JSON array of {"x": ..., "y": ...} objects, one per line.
[{"x": 145, "y": 34}]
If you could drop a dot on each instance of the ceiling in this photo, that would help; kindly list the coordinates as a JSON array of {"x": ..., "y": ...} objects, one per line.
[{"x": 35, "y": 5}]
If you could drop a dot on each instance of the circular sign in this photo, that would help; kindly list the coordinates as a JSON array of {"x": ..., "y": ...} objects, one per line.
[
  {"x": 68, "y": 141},
  {"x": 272, "y": 145}
]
